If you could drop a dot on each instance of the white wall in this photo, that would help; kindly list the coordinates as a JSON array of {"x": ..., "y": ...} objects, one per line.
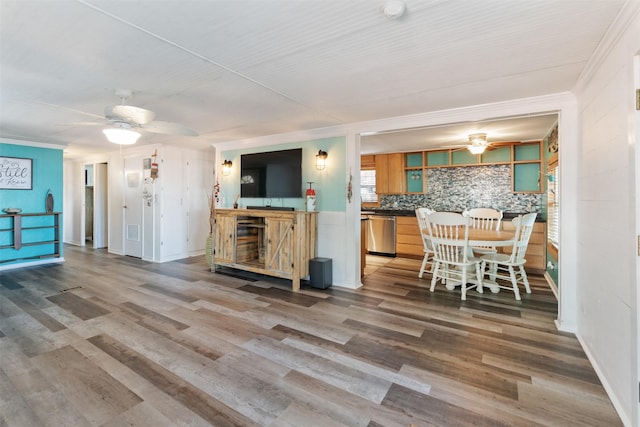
[
  {"x": 177, "y": 223},
  {"x": 607, "y": 300},
  {"x": 73, "y": 197}
]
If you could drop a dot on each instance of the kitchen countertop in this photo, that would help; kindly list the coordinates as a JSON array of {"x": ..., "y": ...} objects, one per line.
[{"x": 411, "y": 212}]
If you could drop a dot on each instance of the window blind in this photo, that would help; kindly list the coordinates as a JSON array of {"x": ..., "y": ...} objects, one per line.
[
  {"x": 368, "y": 186},
  {"x": 553, "y": 204}
]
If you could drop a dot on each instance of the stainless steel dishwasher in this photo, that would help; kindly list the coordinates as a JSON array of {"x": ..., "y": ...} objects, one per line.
[{"x": 382, "y": 235}]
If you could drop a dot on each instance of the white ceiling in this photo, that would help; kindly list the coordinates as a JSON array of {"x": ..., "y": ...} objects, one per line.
[{"x": 239, "y": 69}]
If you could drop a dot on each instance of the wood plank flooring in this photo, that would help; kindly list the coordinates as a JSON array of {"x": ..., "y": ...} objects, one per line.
[{"x": 105, "y": 340}]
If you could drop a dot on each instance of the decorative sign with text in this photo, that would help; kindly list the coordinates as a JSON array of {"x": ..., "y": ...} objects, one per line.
[{"x": 15, "y": 173}]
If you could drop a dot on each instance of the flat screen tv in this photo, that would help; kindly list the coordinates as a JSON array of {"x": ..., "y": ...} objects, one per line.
[{"x": 271, "y": 174}]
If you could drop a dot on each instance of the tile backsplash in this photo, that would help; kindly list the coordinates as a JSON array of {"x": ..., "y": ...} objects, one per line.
[{"x": 456, "y": 189}]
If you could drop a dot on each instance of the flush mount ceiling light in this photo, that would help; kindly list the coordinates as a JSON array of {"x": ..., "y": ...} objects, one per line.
[
  {"x": 478, "y": 143},
  {"x": 122, "y": 134}
]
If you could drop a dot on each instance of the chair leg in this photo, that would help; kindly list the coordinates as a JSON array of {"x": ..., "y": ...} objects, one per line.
[
  {"x": 525, "y": 280},
  {"x": 463, "y": 284},
  {"x": 434, "y": 279},
  {"x": 424, "y": 265},
  {"x": 479, "y": 275},
  {"x": 514, "y": 282},
  {"x": 493, "y": 271}
]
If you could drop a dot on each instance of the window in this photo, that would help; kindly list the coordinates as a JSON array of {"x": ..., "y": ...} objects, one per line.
[
  {"x": 368, "y": 186},
  {"x": 553, "y": 204}
]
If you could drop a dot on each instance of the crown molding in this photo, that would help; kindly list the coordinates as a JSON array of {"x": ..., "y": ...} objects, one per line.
[
  {"x": 544, "y": 104},
  {"x": 32, "y": 144},
  {"x": 628, "y": 14}
]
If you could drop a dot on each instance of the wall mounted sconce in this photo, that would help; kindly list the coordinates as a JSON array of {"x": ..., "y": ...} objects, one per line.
[
  {"x": 226, "y": 167},
  {"x": 321, "y": 160}
]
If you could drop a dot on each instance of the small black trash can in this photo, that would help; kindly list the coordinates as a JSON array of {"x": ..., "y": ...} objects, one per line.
[{"x": 320, "y": 272}]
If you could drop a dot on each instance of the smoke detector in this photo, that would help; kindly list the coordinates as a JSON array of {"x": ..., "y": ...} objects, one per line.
[{"x": 394, "y": 9}]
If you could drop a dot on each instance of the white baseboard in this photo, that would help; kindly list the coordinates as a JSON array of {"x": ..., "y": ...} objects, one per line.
[
  {"x": 32, "y": 263},
  {"x": 552, "y": 284},
  {"x": 624, "y": 417}
]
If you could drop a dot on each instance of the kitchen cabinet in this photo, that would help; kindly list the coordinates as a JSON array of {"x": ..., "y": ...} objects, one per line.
[
  {"x": 409, "y": 242},
  {"x": 396, "y": 173},
  {"x": 390, "y": 173},
  {"x": 367, "y": 161},
  {"x": 382, "y": 173},
  {"x": 408, "y": 239},
  {"x": 527, "y": 168},
  {"x": 414, "y": 174},
  {"x": 537, "y": 249},
  {"x": 275, "y": 243}
]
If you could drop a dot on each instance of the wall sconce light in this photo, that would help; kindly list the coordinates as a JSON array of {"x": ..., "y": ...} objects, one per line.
[
  {"x": 321, "y": 160},
  {"x": 226, "y": 167}
]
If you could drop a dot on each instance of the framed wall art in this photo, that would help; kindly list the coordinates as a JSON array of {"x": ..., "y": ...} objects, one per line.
[{"x": 16, "y": 173}]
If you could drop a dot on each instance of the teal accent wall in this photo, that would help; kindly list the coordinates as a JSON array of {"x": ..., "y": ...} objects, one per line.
[
  {"x": 47, "y": 175},
  {"x": 330, "y": 184}
]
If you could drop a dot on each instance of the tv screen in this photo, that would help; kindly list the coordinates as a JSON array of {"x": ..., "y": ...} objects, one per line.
[{"x": 271, "y": 174}]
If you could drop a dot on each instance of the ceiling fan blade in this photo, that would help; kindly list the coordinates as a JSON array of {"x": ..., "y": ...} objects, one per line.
[
  {"x": 83, "y": 124},
  {"x": 169, "y": 128},
  {"x": 129, "y": 113}
]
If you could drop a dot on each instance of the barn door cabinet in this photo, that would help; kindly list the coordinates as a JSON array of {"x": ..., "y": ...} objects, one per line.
[{"x": 275, "y": 243}]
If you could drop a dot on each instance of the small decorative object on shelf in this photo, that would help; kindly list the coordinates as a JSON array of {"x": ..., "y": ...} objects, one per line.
[
  {"x": 49, "y": 201},
  {"x": 11, "y": 210},
  {"x": 154, "y": 166},
  {"x": 311, "y": 198},
  {"x": 235, "y": 201}
]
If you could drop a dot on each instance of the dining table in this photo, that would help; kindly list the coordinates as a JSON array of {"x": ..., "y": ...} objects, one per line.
[{"x": 482, "y": 237}]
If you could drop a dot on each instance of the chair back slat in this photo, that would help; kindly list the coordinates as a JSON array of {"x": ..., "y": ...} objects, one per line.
[
  {"x": 484, "y": 218},
  {"x": 421, "y": 215},
  {"x": 449, "y": 234},
  {"x": 524, "y": 227}
]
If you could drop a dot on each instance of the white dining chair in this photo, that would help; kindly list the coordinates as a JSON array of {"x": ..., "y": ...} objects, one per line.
[
  {"x": 484, "y": 219},
  {"x": 503, "y": 266},
  {"x": 449, "y": 234},
  {"x": 421, "y": 215}
]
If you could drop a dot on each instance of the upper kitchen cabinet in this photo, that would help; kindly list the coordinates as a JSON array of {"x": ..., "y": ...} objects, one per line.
[
  {"x": 390, "y": 173},
  {"x": 406, "y": 173},
  {"x": 382, "y": 173},
  {"x": 414, "y": 173},
  {"x": 527, "y": 168}
]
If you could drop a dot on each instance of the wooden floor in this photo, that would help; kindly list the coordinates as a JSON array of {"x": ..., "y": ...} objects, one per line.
[{"x": 104, "y": 340}]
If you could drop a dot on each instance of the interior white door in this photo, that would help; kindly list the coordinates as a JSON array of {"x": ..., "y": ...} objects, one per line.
[
  {"x": 100, "y": 206},
  {"x": 133, "y": 207}
]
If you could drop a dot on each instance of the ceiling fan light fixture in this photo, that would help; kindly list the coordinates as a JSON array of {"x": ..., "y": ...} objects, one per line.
[
  {"x": 478, "y": 143},
  {"x": 477, "y": 149},
  {"x": 121, "y": 136}
]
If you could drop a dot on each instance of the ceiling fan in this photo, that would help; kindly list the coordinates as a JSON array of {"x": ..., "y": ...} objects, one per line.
[
  {"x": 127, "y": 121},
  {"x": 478, "y": 144}
]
